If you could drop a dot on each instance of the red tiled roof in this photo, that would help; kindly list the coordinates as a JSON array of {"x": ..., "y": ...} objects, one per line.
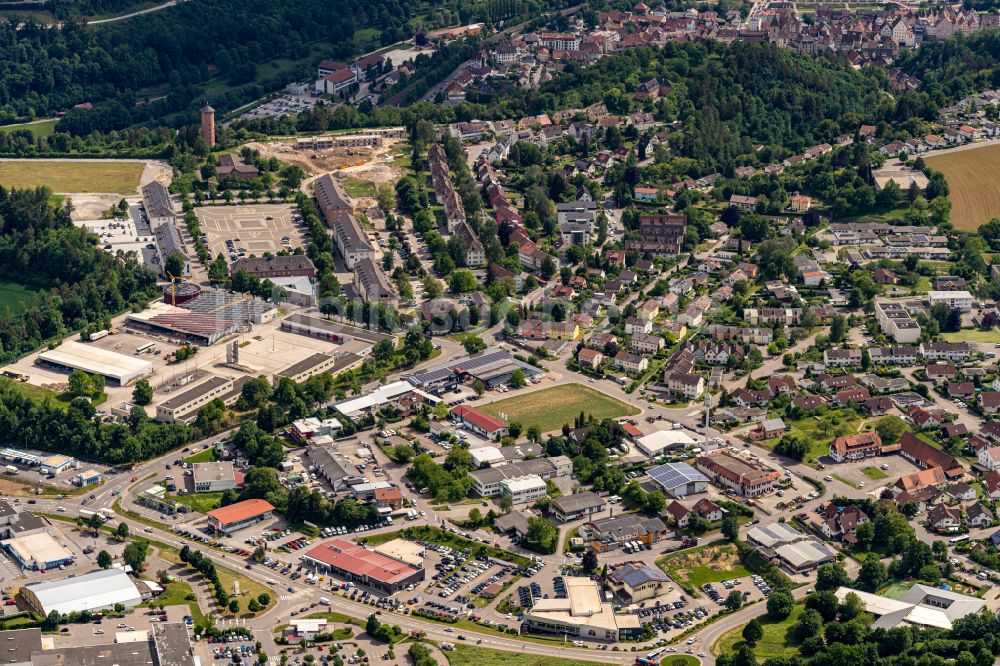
[
  {"x": 360, "y": 561},
  {"x": 477, "y": 418},
  {"x": 241, "y": 511}
]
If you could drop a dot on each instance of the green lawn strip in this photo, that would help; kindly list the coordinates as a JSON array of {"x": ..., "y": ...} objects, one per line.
[
  {"x": 20, "y": 621},
  {"x": 775, "y": 643},
  {"x": 338, "y": 617},
  {"x": 680, "y": 660},
  {"x": 552, "y": 407},
  {"x": 208, "y": 455},
  {"x": 36, "y": 393},
  {"x": 469, "y": 655},
  {"x": 39, "y": 129},
  {"x": 874, "y": 473},
  {"x": 439, "y": 536},
  {"x": 972, "y": 335},
  {"x": 201, "y": 502},
  {"x": 845, "y": 481}
]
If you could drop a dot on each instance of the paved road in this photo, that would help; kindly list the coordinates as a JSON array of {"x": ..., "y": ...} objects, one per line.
[{"x": 149, "y": 10}]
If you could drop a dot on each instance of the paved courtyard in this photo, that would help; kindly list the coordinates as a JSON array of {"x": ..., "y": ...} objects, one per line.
[{"x": 255, "y": 229}]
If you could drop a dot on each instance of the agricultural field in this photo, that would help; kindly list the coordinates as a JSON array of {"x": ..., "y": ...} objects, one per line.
[
  {"x": 552, "y": 407},
  {"x": 119, "y": 177},
  {"x": 707, "y": 564},
  {"x": 972, "y": 182},
  {"x": 775, "y": 644}
]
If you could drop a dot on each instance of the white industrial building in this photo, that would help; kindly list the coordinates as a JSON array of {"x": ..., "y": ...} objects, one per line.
[
  {"x": 523, "y": 489},
  {"x": 215, "y": 476},
  {"x": 97, "y": 590},
  {"x": 37, "y": 551},
  {"x": 657, "y": 442},
  {"x": 117, "y": 368},
  {"x": 922, "y": 606}
]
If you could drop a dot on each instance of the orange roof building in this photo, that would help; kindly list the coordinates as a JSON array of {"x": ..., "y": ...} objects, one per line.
[{"x": 234, "y": 517}]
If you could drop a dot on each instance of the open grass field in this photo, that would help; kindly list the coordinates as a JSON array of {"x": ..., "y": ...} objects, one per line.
[
  {"x": 201, "y": 502},
  {"x": 468, "y": 655},
  {"x": 33, "y": 392},
  {"x": 120, "y": 177},
  {"x": 818, "y": 432},
  {"x": 552, "y": 407},
  {"x": 15, "y": 294},
  {"x": 208, "y": 455},
  {"x": 775, "y": 642},
  {"x": 973, "y": 184},
  {"x": 972, "y": 335},
  {"x": 707, "y": 564},
  {"x": 680, "y": 660},
  {"x": 40, "y": 128}
]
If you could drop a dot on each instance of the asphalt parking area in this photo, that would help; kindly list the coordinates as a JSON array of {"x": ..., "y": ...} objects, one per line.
[{"x": 253, "y": 229}]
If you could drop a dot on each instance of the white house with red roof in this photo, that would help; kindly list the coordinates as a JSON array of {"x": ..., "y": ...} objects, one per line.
[{"x": 478, "y": 422}]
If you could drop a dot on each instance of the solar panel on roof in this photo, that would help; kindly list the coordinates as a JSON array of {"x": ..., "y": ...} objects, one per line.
[{"x": 671, "y": 475}]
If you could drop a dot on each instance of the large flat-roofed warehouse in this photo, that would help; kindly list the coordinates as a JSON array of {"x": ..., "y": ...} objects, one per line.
[
  {"x": 37, "y": 551},
  {"x": 117, "y": 368},
  {"x": 18, "y": 644},
  {"x": 317, "y": 364},
  {"x": 97, "y": 590},
  {"x": 183, "y": 407},
  {"x": 325, "y": 329},
  {"x": 355, "y": 563}
]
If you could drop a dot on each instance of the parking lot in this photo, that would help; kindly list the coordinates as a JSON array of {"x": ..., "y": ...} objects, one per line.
[
  {"x": 239, "y": 231},
  {"x": 281, "y": 106}
]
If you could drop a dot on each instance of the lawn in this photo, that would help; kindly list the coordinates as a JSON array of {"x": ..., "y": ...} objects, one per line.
[
  {"x": 33, "y": 392},
  {"x": 208, "y": 455},
  {"x": 874, "y": 473},
  {"x": 706, "y": 564},
  {"x": 358, "y": 188},
  {"x": 176, "y": 594},
  {"x": 249, "y": 588},
  {"x": 775, "y": 642},
  {"x": 200, "y": 502},
  {"x": 895, "y": 591},
  {"x": 551, "y": 408},
  {"x": 120, "y": 177},
  {"x": 819, "y": 432},
  {"x": 40, "y": 128},
  {"x": 973, "y": 184},
  {"x": 680, "y": 660},
  {"x": 468, "y": 655},
  {"x": 14, "y": 294},
  {"x": 852, "y": 484},
  {"x": 972, "y": 335}
]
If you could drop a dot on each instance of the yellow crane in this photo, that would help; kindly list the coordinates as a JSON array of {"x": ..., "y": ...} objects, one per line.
[{"x": 173, "y": 287}]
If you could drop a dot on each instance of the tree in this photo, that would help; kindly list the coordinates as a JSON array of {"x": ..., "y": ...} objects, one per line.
[
  {"x": 831, "y": 576},
  {"x": 753, "y": 632},
  {"x": 890, "y": 429},
  {"x": 79, "y": 383},
  {"x": 542, "y": 535},
  {"x": 382, "y": 351},
  {"x": 122, "y": 531},
  {"x": 809, "y": 624},
  {"x": 731, "y": 527},
  {"x": 873, "y": 574},
  {"x": 589, "y": 561},
  {"x": 264, "y": 598},
  {"x": 234, "y": 606},
  {"x": 734, "y": 600},
  {"x": 838, "y": 328},
  {"x": 479, "y": 387},
  {"x": 851, "y": 608},
  {"x": 104, "y": 559},
  {"x": 259, "y": 553},
  {"x": 174, "y": 264},
  {"x": 51, "y": 621},
  {"x": 142, "y": 394},
  {"x": 473, "y": 344},
  {"x": 134, "y": 555},
  {"x": 517, "y": 378},
  {"x": 253, "y": 606},
  {"x": 780, "y": 605}
]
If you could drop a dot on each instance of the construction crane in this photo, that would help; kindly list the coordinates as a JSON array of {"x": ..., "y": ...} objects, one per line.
[{"x": 173, "y": 286}]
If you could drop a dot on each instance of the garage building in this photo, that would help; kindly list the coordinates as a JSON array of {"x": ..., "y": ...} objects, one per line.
[
  {"x": 37, "y": 551},
  {"x": 116, "y": 368}
]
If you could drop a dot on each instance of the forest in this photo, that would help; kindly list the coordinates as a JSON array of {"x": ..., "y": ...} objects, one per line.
[
  {"x": 39, "y": 245},
  {"x": 956, "y": 67}
]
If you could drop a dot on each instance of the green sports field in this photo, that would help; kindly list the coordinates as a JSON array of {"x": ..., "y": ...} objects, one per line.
[{"x": 552, "y": 407}]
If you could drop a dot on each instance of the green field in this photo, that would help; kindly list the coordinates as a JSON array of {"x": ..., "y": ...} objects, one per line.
[
  {"x": 201, "y": 502},
  {"x": 972, "y": 184},
  {"x": 39, "y": 128},
  {"x": 874, "y": 473},
  {"x": 120, "y": 177},
  {"x": 818, "y": 432},
  {"x": 208, "y": 455},
  {"x": 972, "y": 335},
  {"x": 33, "y": 392},
  {"x": 680, "y": 660},
  {"x": 15, "y": 294},
  {"x": 358, "y": 188},
  {"x": 705, "y": 564},
  {"x": 775, "y": 642},
  {"x": 552, "y": 407},
  {"x": 467, "y": 655}
]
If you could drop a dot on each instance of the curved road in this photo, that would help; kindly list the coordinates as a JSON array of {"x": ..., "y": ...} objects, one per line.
[{"x": 149, "y": 10}]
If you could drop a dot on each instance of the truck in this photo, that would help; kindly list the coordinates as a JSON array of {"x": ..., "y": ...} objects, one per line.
[
  {"x": 15, "y": 375},
  {"x": 86, "y": 514},
  {"x": 97, "y": 335},
  {"x": 10, "y": 469}
]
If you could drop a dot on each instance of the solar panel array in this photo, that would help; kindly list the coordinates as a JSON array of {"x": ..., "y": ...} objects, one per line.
[{"x": 672, "y": 475}]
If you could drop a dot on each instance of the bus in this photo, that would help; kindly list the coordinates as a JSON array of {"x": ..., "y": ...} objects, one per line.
[
  {"x": 958, "y": 539},
  {"x": 145, "y": 347}
]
